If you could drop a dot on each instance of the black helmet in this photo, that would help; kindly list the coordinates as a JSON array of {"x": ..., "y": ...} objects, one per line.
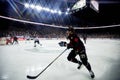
[{"x": 71, "y": 29}]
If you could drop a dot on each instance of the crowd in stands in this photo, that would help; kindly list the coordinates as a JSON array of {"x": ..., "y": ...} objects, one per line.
[
  {"x": 49, "y": 32},
  {"x": 33, "y": 33}
]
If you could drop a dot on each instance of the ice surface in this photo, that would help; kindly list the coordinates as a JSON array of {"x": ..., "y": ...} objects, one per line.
[{"x": 17, "y": 61}]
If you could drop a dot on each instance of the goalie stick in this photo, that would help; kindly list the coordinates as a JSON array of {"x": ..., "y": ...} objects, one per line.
[{"x": 34, "y": 77}]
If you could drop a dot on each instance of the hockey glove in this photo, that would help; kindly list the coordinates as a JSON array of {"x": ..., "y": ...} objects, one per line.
[
  {"x": 62, "y": 43},
  {"x": 69, "y": 46}
]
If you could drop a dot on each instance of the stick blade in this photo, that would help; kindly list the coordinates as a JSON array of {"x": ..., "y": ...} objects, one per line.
[{"x": 31, "y": 77}]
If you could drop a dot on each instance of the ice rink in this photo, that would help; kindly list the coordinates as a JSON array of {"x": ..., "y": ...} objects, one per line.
[{"x": 18, "y": 61}]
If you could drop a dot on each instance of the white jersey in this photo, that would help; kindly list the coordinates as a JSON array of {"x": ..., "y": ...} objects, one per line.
[{"x": 36, "y": 39}]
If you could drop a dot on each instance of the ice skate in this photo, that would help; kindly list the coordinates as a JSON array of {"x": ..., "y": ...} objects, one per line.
[
  {"x": 92, "y": 74},
  {"x": 34, "y": 45},
  {"x": 79, "y": 66},
  {"x": 40, "y": 44}
]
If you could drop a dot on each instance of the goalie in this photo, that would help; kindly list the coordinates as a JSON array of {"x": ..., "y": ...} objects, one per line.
[{"x": 78, "y": 48}]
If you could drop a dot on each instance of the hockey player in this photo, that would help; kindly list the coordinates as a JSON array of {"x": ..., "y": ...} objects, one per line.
[
  {"x": 15, "y": 40},
  {"x": 36, "y": 40},
  {"x": 8, "y": 40},
  {"x": 78, "y": 48}
]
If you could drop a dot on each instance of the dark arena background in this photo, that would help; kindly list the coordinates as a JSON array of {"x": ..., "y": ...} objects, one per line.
[
  {"x": 96, "y": 20},
  {"x": 105, "y": 19}
]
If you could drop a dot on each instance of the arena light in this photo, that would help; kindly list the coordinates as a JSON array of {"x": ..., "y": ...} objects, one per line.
[
  {"x": 39, "y": 8},
  {"x": 68, "y": 9},
  {"x": 66, "y": 13},
  {"x": 32, "y": 6},
  {"x": 59, "y": 12},
  {"x": 47, "y": 9},
  {"x": 52, "y": 11},
  {"x": 55, "y": 11},
  {"x": 27, "y": 5}
]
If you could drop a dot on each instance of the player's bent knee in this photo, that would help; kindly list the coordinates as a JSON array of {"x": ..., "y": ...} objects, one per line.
[
  {"x": 85, "y": 63},
  {"x": 68, "y": 58}
]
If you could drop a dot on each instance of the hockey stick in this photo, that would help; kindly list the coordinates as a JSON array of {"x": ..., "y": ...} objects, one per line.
[{"x": 34, "y": 77}]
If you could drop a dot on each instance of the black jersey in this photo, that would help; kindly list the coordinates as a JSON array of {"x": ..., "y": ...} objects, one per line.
[
  {"x": 75, "y": 42},
  {"x": 15, "y": 38}
]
